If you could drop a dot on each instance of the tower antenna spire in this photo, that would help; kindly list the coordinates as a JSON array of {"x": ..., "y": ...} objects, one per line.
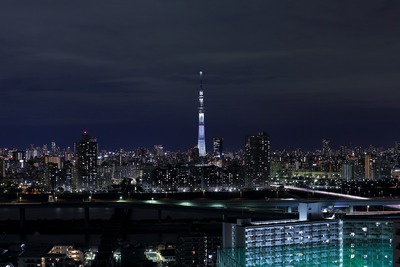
[{"x": 201, "y": 81}]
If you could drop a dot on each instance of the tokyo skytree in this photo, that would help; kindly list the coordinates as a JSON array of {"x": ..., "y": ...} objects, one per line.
[{"x": 201, "y": 144}]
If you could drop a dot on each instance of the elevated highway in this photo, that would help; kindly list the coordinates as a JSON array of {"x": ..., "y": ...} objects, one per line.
[{"x": 271, "y": 208}]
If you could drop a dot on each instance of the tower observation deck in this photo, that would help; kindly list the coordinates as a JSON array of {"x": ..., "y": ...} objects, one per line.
[{"x": 201, "y": 144}]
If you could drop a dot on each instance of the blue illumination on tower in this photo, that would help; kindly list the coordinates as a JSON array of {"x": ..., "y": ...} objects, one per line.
[{"x": 201, "y": 141}]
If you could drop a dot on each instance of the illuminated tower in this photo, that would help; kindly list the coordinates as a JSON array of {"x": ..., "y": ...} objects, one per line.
[{"x": 201, "y": 144}]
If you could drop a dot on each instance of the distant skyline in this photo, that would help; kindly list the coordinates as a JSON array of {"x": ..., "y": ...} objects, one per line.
[
  {"x": 62, "y": 144},
  {"x": 127, "y": 72}
]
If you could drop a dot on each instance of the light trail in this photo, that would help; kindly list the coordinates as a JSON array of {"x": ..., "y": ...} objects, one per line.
[
  {"x": 326, "y": 193},
  {"x": 336, "y": 195}
]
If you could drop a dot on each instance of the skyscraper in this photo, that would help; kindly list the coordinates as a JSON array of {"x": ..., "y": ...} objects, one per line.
[
  {"x": 86, "y": 162},
  {"x": 367, "y": 167},
  {"x": 218, "y": 147},
  {"x": 201, "y": 144},
  {"x": 257, "y": 160},
  {"x": 326, "y": 150}
]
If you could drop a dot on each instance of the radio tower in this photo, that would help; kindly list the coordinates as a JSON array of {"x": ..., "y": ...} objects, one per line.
[{"x": 201, "y": 144}]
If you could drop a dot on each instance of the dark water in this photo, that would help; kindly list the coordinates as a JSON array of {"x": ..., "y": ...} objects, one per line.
[
  {"x": 95, "y": 214},
  {"x": 36, "y": 214},
  {"x": 55, "y": 213}
]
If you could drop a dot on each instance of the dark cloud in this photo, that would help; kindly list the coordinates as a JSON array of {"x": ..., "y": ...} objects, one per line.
[{"x": 302, "y": 71}]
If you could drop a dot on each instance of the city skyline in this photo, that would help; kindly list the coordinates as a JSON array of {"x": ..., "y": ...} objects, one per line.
[
  {"x": 55, "y": 145},
  {"x": 128, "y": 73}
]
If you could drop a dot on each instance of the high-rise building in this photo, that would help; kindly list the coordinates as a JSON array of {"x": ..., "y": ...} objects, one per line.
[
  {"x": 368, "y": 241},
  {"x": 396, "y": 244},
  {"x": 309, "y": 240},
  {"x": 326, "y": 150},
  {"x": 4, "y": 163},
  {"x": 53, "y": 147},
  {"x": 18, "y": 156},
  {"x": 53, "y": 174},
  {"x": 201, "y": 144},
  {"x": 257, "y": 160},
  {"x": 347, "y": 171},
  {"x": 86, "y": 162},
  {"x": 218, "y": 147},
  {"x": 313, "y": 239},
  {"x": 367, "y": 167}
]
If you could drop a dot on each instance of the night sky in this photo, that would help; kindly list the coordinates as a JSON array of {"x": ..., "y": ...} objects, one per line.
[{"x": 127, "y": 72}]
